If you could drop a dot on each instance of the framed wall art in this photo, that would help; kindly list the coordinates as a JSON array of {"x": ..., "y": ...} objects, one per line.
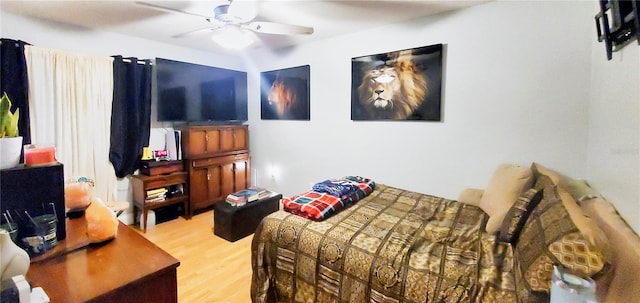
[
  {"x": 399, "y": 85},
  {"x": 285, "y": 94}
]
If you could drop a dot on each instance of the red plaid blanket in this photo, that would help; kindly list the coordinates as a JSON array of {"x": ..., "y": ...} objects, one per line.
[
  {"x": 312, "y": 205},
  {"x": 318, "y": 206}
]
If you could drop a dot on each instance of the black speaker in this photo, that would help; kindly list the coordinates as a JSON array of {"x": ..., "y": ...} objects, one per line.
[{"x": 38, "y": 190}]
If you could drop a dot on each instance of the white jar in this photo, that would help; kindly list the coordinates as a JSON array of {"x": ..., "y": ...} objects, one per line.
[{"x": 14, "y": 261}]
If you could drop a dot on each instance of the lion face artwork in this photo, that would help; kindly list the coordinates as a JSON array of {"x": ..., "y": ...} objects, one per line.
[
  {"x": 285, "y": 94},
  {"x": 395, "y": 88},
  {"x": 283, "y": 97}
]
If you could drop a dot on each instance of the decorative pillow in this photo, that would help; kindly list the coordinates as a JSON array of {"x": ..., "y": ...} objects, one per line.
[
  {"x": 550, "y": 237},
  {"x": 518, "y": 215},
  {"x": 587, "y": 227},
  {"x": 579, "y": 189},
  {"x": 506, "y": 185}
]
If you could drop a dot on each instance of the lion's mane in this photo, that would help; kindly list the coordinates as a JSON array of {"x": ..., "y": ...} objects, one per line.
[{"x": 283, "y": 96}]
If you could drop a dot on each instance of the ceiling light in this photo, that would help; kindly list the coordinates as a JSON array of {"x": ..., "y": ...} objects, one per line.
[{"x": 232, "y": 37}]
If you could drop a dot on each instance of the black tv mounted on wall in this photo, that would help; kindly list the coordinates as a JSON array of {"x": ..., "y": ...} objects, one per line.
[
  {"x": 199, "y": 94},
  {"x": 618, "y": 24}
]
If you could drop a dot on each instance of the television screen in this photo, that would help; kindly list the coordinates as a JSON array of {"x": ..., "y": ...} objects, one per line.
[{"x": 188, "y": 92}]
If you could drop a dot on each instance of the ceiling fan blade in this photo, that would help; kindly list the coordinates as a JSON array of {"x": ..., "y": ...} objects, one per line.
[
  {"x": 198, "y": 31},
  {"x": 171, "y": 10},
  {"x": 278, "y": 28}
]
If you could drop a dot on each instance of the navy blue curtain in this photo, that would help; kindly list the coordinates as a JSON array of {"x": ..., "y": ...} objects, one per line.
[
  {"x": 14, "y": 81},
  {"x": 131, "y": 113}
]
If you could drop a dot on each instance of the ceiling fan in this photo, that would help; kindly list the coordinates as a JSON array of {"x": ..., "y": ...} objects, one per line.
[{"x": 232, "y": 23}]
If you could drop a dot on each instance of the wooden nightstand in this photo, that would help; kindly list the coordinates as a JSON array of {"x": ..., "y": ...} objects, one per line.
[{"x": 142, "y": 184}]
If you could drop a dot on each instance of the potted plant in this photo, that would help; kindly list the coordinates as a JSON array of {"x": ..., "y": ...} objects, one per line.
[{"x": 10, "y": 141}]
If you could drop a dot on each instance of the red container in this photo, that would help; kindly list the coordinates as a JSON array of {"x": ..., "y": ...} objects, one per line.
[{"x": 39, "y": 155}]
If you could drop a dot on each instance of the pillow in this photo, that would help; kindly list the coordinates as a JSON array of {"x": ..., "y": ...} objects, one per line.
[
  {"x": 551, "y": 237},
  {"x": 518, "y": 215},
  {"x": 471, "y": 196},
  {"x": 539, "y": 170},
  {"x": 587, "y": 227},
  {"x": 506, "y": 185},
  {"x": 579, "y": 189},
  {"x": 625, "y": 244}
]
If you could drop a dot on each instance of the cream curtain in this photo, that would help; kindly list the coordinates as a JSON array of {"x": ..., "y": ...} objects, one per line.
[{"x": 70, "y": 99}]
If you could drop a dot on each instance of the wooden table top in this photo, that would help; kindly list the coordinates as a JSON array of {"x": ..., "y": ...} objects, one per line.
[{"x": 76, "y": 271}]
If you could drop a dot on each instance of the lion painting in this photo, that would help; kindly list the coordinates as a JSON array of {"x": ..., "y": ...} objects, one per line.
[
  {"x": 393, "y": 90},
  {"x": 283, "y": 97},
  {"x": 285, "y": 94}
]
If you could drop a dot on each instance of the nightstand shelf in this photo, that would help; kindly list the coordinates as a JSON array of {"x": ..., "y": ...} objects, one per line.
[{"x": 141, "y": 184}]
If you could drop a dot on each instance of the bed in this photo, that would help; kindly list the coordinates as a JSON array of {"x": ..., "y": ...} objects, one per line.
[
  {"x": 497, "y": 244},
  {"x": 392, "y": 246}
]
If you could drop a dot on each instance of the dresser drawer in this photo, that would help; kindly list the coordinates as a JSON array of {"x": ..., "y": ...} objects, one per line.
[{"x": 219, "y": 160}]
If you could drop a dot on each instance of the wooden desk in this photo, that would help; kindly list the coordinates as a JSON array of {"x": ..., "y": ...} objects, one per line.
[{"x": 128, "y": 268}]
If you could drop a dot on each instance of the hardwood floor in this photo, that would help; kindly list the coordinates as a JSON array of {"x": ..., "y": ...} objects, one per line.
[{"x": 211, "y": 268}]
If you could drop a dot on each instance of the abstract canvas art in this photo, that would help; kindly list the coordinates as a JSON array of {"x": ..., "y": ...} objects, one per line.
[
  {"x": 398, "y": 85},
  {"x": 285, "y": 94}
]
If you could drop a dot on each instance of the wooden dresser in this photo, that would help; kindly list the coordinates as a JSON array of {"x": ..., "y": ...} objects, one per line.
[
  {"x": 128, "y": 268},
  {"x": 218, "y": 162}
]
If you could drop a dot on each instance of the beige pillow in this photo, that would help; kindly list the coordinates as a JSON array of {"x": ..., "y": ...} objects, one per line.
[
  {"x": 581, "y": 191},
  {"x": 507, "y": 184},
  {"x": 556, "y": 177},
  {"x": 471, "y": 196},
  {"x": 625, "y": 245}
]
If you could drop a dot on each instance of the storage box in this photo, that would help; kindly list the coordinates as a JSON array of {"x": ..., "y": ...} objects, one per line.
[{"x": 236, "y": 222}]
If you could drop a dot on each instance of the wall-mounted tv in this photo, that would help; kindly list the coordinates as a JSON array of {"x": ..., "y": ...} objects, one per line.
[{"x": 193, "y": 93}]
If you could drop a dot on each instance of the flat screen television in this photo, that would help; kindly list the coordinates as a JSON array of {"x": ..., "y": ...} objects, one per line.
[{"x": 199, "y": 94}]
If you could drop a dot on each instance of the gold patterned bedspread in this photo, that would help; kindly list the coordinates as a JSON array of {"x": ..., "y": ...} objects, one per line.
[{"x": 392, "y": 246}]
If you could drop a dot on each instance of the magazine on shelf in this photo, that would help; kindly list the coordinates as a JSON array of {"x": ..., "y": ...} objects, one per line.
[
  {"x": 156, "y": 191},
  {"x": 156, "y": 196},
  {"x": 157, "y": 199}
]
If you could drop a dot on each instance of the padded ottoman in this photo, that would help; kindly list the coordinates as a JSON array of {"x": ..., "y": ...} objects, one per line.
[{"x": 233, "y": 223}]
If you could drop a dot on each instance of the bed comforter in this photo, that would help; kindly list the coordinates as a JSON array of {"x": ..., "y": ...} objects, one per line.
[{"x": 392, "y": 246}]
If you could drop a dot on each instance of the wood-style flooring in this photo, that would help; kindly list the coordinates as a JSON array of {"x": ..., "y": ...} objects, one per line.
[{"x": 211, "y": 268}]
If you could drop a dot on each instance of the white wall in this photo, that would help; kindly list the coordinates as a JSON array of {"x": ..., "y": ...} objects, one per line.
[
  {"x": 515, "y": 90},
  {"x": 614, "y": 129}
]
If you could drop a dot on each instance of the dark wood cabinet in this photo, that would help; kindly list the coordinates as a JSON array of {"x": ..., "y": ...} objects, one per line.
[
  {"x": 212, "y": 141},
  {"x": 218, "y": 163}
]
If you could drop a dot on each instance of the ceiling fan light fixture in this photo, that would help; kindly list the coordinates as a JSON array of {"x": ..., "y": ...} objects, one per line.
[{"x": 232, "y": 37}]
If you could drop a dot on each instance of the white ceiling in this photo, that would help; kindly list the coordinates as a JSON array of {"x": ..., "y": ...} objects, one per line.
[{"x": 328, "y": 18}]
